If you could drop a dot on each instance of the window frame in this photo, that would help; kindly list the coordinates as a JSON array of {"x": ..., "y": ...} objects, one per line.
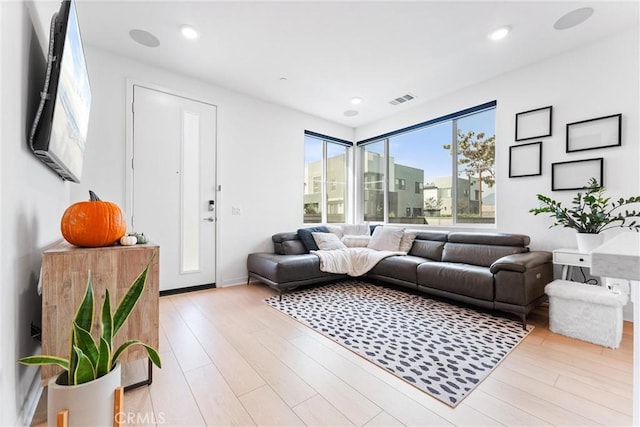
[
  {"x": 325, "y": 185},
  {"x": 384, "y": 138}
]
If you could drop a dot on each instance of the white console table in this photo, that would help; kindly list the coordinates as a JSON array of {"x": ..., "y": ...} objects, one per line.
[
  {"x": 569, "y": 258},
  {"x": 619, "y": 257}
]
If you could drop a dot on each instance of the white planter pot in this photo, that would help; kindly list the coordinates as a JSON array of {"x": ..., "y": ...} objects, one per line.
[
  {"x": 588, "y": 241},
  {"x": 89, "y": 404}
]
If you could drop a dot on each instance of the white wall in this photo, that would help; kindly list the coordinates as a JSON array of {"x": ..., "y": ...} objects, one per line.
[
  {"x": 260, "y": 155},
  {"x": 33, "y": 199},
  {"x": 594, "y": 81}
]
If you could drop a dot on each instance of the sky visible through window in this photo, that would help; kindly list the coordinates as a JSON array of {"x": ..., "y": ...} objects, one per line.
[{"x": 422, "y": 148}]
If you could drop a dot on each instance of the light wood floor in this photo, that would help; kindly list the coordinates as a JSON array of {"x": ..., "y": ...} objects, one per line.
[{"x": 229, "y": 359}]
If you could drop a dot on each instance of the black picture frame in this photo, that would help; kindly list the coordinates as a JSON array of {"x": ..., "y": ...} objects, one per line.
[
  {"x": 534, "y": 123},
  {"x": 575, "y": 175},
  {"x": 595, "y": 133},
  {"x": 525, "y": 160}
]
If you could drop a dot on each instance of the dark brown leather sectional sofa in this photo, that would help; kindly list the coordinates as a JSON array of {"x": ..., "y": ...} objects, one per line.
[{"x": 490, "y": 270}]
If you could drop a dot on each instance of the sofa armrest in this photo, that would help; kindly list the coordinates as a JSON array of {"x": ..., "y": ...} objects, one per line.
[{"x": 521, "y": 262}]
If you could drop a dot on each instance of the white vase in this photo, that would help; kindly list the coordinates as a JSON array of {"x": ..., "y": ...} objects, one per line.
[
  {"x": 588, "y": 241},
  {"x": 89, "y": 404}
]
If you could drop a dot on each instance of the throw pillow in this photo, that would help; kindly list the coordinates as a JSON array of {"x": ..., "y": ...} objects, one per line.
[
  {"x": 335, "y": 229},
  {"x": 356, "y": 229},
  {"x": 386, "y": 238},
  {"x": 307, "y": 239},
  {"x": 356, "y": 241},
  {"x": 327, "y": 241},
  {"x": 407, "y": 240}
]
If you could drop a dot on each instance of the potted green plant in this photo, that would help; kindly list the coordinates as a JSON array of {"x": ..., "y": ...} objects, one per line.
[
  {"x": 590, "y": 214},
  {"x": 92, "y": 371}
]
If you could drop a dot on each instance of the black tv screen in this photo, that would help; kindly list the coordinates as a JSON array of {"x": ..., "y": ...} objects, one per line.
[{"x": 59, "y": 131}]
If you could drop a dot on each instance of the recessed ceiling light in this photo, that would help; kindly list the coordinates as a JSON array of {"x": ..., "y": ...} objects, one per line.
[
  {"x": 145, "y": 38},
  {"x": 356, "y": 100},
  {"x": 283, "y": 79},
  {"x": 573, "y": 18},
  {"x": 350, "y": 113},
  {"x": 189, "y": 32},
  {"x": 500, "y": 33}
]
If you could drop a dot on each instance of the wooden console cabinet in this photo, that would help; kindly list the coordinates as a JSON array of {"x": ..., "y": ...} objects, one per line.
[{"x": 64, "y": 281}]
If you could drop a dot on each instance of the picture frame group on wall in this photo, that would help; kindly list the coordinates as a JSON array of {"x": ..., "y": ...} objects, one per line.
[
  {"x": 534, "y": 123},
  {"x": 595, "y": 133},
  {"x": 525, "y": 159}
]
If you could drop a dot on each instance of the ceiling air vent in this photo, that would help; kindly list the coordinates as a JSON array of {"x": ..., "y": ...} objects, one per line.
[{"x": 402, "y": 99}]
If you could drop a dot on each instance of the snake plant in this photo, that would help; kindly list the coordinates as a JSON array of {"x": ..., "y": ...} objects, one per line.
[{"x": 88, "y": 359}]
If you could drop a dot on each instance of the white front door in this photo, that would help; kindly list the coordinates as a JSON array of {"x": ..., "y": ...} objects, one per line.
[{"x": 173, "y": 180}]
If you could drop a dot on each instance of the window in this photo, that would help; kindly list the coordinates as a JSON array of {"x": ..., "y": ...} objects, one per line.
[
  {"x": 450, "y": 160},
  {"x": 325, "y": 178},
  {"x": 374, "y": 176}
]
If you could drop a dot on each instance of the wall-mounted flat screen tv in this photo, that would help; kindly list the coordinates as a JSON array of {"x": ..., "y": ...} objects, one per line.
[{"x": 59, "y": 132}]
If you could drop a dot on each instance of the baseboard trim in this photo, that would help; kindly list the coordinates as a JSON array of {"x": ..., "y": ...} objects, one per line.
[
  {"x": 242, "y": 280},
  {"x": 187, "y": 289}
]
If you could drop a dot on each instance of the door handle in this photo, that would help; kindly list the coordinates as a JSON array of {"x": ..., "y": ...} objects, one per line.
[{"x": 209, "y": 218}]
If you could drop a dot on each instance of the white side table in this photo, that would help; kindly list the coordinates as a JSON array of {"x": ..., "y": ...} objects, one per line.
[{"x": 569, "y": 258}]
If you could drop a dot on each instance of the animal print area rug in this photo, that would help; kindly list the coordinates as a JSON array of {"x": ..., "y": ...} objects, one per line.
[{"x": 442, "y": 349}]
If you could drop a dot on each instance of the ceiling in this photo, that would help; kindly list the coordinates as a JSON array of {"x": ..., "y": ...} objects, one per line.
[{"x": 332, "y": 51}]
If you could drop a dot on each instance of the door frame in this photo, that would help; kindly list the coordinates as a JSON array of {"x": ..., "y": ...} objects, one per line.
[{"x": 128, "y": 152}]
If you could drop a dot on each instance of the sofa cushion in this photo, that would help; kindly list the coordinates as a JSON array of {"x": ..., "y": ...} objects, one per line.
[
  {"x": 307, "y": 238},
  {"x": 335, "y": 229},
  {"x": 356, "y": 241},
  {"x": 437, "y": 236},
  {"x": 386, "y": 238},
  {"x": 398, "y": 267},
  {"x": 464, "y": 279},
  {"x": 288, "y": 244},
  {"x": 285, "y": 268},
  {"x": 427, "y": 249},
  {"x": 408, "y": 237},
  {"x": 496, "y": 239},
  {"x": 483, "y": 255},
  {"x": 356, "y": 229},
  {"x": 327, "y": 241}
]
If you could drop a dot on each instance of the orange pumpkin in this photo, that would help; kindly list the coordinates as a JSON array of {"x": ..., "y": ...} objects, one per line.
[{"x": 93, "y": 224}]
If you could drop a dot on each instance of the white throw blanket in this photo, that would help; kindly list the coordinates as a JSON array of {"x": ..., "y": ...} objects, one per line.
[{"x": 352, "y": 261}]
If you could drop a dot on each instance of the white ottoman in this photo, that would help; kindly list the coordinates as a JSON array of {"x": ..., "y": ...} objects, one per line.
[{"x": 587, "y": 312}]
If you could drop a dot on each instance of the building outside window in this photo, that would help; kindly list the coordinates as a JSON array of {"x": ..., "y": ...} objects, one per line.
[
  {"x": 325, "y": 179},
  {"x": 374, "y": 166},
  {"x": 456, "y": 149},
  {"x": 317, "y": 184}
]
